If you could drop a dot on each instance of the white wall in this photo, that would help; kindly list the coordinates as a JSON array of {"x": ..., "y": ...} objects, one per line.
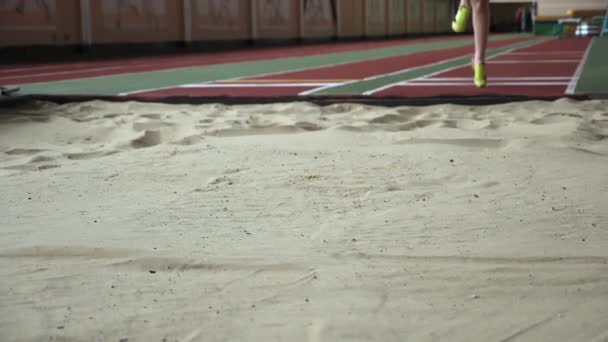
[{"x": 560, "y": 7}]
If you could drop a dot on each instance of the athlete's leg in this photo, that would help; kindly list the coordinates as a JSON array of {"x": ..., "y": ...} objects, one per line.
[{"x": 481, "y": 26}]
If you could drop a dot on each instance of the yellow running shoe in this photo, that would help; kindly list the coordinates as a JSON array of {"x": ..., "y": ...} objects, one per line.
[
  {"x": 480, "y": 75},
  {"x": 460, "y": 22}
]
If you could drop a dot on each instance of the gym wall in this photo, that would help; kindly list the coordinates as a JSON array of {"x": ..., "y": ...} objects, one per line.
[
  {"x": 98, "y": 22},
  {"x": 548, "y": 8}
]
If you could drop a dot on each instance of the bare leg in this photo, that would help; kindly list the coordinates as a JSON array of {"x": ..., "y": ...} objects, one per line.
[{"x": 481, "y": 25}]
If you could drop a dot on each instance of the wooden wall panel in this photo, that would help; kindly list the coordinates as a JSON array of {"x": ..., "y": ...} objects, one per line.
[
  {"x": 428, "y": 16},
  {"x": 60, "y": 22},
  {"x": 141, "y": 21},
  {"x": 414, "y": 16},
  {"x": 350, "y": 13},
  {"x": 277, "y": 19},
  {"x": 319, "y": 18},
  {"x": 220, "y": 20},
  {"x": 39, "y": 22},
  {"x": 443, "y": 13},
  {"x": 376, "y": 18},
  {"x": 397, "y": 17}
]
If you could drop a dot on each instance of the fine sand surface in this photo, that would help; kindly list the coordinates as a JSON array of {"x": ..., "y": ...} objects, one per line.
[{"x": 292, "y": 222}]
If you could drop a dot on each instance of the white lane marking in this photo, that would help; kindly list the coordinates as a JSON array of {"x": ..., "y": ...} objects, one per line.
[
  {"x": 579, "y": 70},
  {"x": 460, "y": 84},
  {"x": 251, "y": 85},
  {"x": 534, "y": 61},
  {"x": 526, "y": 45},
  {"x": 548, "y": 78}
]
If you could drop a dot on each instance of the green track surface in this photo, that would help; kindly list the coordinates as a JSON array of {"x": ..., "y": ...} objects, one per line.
[
  {"x": 594, "y": 78},
  {"x": 116, "y": 84}
]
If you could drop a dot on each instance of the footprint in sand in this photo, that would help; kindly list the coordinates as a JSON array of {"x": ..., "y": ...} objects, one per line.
[
  {"x": 410, "y": 126},
  {"x": 601, "y": 123},
  {"x": 409, "y": 113},
  {"x": 37, "y": 163},
  {"x": 189, "y": 140},
  {"x": 338, "y": 108},
  {"x": 48, "y": 167},
  {"x": 225, "y": 179},
  {"x": 490, "y": 184},
  {"x": 71, "y": 252},
  {"x": 88, "y": 155},
  {"x": 467, "y": 124},
  {"x": 588, "y": 151},
  {"x": 495, "y": 124},
  {"x": 148, "y": 139},
  {"x": 350, "y": 128},
  {"x": 219, "y": 180},
  {"x": 41, "y": 159},
  {"x": 32, "y": 167},
  {"x": 475, "y": 143},
  {"x": 152, "y": 116},
  {"x": 308, "y": 126},
  {"x": 23, "y": 151},
  {"x": 112, "y": 115},
  {"x": 232, "y": 171},
  {"x": 155, "y": 125},
  {"x": 390, "y": 118},
  {"x": 556, "y": 118}
]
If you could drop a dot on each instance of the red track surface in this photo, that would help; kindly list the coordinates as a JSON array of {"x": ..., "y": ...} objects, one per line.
[
  {"x": 371, "y": 68},
  {"x": 358, "y": 70},
  {"x": 32, "y": 73},
  {"x": 550, "y": 64},
  {"x": 541, "y": 70}
]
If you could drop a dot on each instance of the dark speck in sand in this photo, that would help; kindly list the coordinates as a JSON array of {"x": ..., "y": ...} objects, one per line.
[{"x": 152, "y": 272}]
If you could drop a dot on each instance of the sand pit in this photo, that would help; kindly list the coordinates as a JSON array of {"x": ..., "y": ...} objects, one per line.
[{"x": 292, "y": 222}]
